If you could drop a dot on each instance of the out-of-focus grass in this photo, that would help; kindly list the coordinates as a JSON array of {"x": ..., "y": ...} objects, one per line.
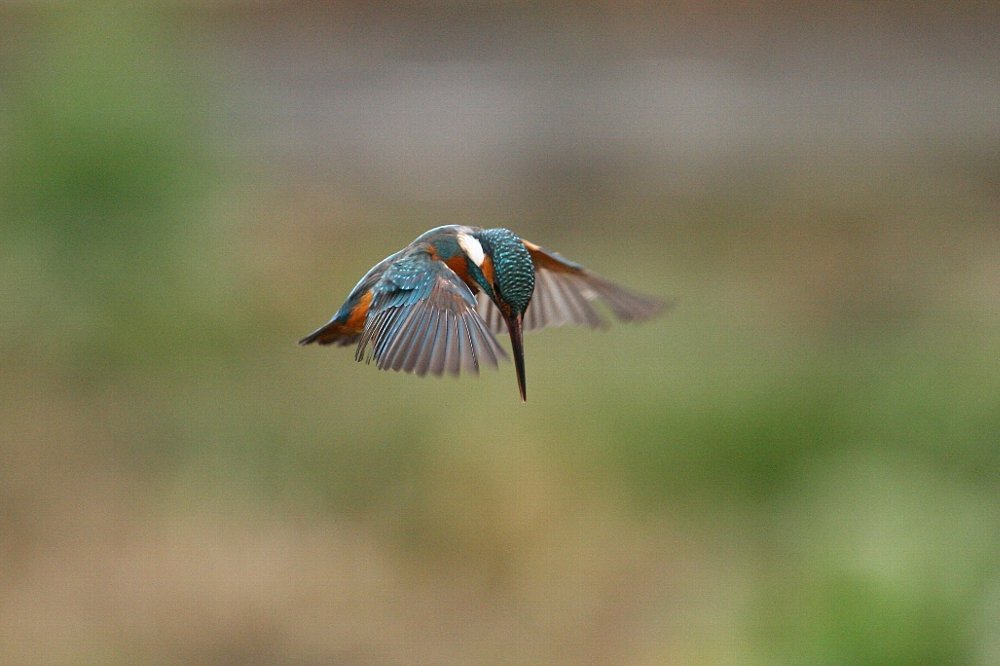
[{"x": 798, "y": 463}]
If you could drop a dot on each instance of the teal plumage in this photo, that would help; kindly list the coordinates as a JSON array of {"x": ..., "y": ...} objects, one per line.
[
  {"x": 435, "y": 305},
  {"x": 418, "y": 304},
  {"x": 512, "y": 263}
]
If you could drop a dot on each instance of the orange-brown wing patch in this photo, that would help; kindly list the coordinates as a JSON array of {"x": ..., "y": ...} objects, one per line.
[
  {"x": 359, "y": 313},
  {"x": 460, "y": 267},
  {"x": 542, "y": 258},
  {"x": 343, "y": 332}
]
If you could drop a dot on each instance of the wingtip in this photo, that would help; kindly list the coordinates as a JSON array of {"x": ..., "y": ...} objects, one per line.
[{"x": 662, "y": 306}]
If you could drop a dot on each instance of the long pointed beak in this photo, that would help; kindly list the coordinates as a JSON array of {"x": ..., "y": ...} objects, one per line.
[{"x": 514, "y": 325}]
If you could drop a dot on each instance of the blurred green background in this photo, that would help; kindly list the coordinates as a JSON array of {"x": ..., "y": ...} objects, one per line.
[{"x": 799, "y": 464}]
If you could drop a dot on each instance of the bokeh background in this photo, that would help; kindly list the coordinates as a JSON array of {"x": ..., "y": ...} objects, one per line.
[{"x": 799, "y": 464}]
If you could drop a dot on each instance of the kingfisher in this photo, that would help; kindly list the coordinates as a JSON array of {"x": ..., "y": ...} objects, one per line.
[{"x": 435, "y": 305}]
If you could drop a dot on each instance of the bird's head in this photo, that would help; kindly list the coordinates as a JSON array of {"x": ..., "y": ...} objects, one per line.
[{"x": 501, "y": 266}]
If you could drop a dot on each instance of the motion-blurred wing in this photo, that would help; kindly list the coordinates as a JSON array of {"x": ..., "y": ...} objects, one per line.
[
  {"x": 423, "y": 320},
  {"x": 565, "y": 292}
]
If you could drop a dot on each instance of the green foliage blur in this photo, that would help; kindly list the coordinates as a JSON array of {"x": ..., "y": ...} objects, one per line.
[{"x": 800, "y": 463}]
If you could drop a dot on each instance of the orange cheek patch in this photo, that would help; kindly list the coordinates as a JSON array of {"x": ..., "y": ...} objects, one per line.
[{"x": 487, "y": 269}]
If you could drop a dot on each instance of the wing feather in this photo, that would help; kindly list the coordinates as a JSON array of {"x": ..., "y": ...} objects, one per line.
[
  {"x": 485, "y": 346},
  {"x": 453, "y": 357},
  {"x": 436, "y": 361},
  {"x": 398, "y": 349},
  {"x": 423, "y": 320},
  {"x": 468, "y": 355},
  {"x": 423, "y": 358},
  {"x": 564, "y": 294}
]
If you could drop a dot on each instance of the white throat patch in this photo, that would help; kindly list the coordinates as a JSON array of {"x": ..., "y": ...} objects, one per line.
[{"x": 472, "y": 248}]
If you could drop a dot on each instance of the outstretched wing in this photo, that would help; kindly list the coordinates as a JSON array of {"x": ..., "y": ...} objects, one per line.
[
  {"x": 565, "y": 292},
  {"x": 423, "y": 319}
]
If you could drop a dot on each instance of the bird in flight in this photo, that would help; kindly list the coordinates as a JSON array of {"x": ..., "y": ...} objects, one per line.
[{"x": 435, "y": 305}]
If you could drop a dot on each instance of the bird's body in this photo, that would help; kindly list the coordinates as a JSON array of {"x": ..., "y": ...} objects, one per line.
[{"x": 434, "y": 306}]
